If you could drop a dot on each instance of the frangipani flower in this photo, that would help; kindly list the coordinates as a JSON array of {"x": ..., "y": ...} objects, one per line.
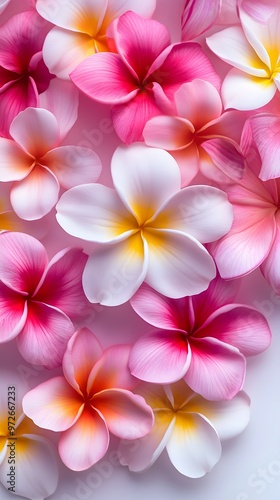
[
  {"x": 92, "y": 399},
  {"x": 200, "y": 134},
  {"x": 81, "y": 28},
  {"x": 254, "y": 238},
  {"x": 39, "y": 298},
  {"x": 202, "y": 338},
  {"x": 254, "y": 51},
  {"x": 188, "y": 426},
  {"x": 36, "y": 163},
  {"x": 141, "y": 75},
  {"x": 23, "y": 74},
  {"x": 28, "y": 465},
  {"x": 148, "y": 229}
]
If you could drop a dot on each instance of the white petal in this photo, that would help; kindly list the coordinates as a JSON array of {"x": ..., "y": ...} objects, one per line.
[
  {"x": 144, "y": 178},
  {"x": 114, "y": 272},
  {"x": 178, "y": 264}
]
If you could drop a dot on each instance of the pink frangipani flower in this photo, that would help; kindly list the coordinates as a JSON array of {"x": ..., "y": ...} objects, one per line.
[
  {"x": 200, "y": 134},
  {"x": 39, "y": 299},
  {"x": 38, "y": 165},
  {"x": 203, "y": 338},
  {"x": 141, "y": 74},
  {"x": 80, "y": 29},
  {"x": 23, "y": 73},
  {"x": 147, "y": 228},
  {"x": 188, "y": 426},
  {"x": 92, "y": 399}
]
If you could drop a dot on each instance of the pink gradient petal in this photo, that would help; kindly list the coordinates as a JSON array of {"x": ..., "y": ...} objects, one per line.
[
  {"x": 15, "y": 164},
  {"x": 266, "y": 133},
  {"x": 73, "y": 165},
  {"x": 36, "y": 131},
  {"x": 44, "y": 337},
  {"x": 85, "y": 443},
  {"x": 139, "y": 41},
  {"x": 105, "y": 78},
  {"x": 194, "y": 446},
  {"x": 189, "y": 162},
  {"x": 217, "y": 370},
  {"x": 161, "y": 357},
  {"x": 65, "y": 270},
  {"x": 258, "y": 9},
  {"x": 36, "y": 195},
  {"x": 199, "y": 102},
  {"x": 197, "y": 17},
  {"x": 240, "y": 326},
  {"x": 23, "y": 260},
  {"x": 15, "y": 98},
  {"x": 53, "y": 405},
  {"x": 13, "y": 313},
  {"x": 226, "y": 155},
  {"x": 112, "y": 371},
  {"x": 269, "y": 267},
  {"x": 126, "y": 414},
  {"x": 168, "y": 132},
  {"x": 152, "y": 177},
  {"x": 82, "y": 353}
]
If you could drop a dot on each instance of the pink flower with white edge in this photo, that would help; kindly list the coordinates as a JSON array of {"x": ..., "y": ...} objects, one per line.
[
  {"x": 202, "y": 339},
  {"x": 35, "y": 161},
  {"x": 188, "y": 426},
  {"x": 23, "y": 73},
  {"x": 25, "y": 450},
  {"x": 92, "y": 399},
  {"x": 81, "y": 29},
  {"x": 39, "y": 299},
  {"x": 141, "y": 74},
  {"x": 147, "y": 228},
  {"x": 253, "y": 50},
  {"x": 200, "y": 134}
]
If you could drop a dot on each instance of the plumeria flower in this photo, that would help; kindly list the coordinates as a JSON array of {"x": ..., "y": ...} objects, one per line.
[
  {"x": 199, "y": 134},
  {"x": 254, "y": 238},
  {"x": 253, "y": 50},
  {"x": 141, "y": 74},
  {"x": 188, "y": 426},
  {"x": 39, "y": 299},
  {"x": 92, "y": 399},
  {"x": 23, "y": 73},
  {"x": 28, "y": 464},
  {"x": 148, "y": 229},
  {"x": 203, "y": 338},
  {"x": 38, "y": 166},
  {"x": 81, "y": 28}
]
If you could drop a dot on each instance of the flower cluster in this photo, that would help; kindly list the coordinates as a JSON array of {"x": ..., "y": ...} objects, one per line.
[{"x": 184, "y": 204}]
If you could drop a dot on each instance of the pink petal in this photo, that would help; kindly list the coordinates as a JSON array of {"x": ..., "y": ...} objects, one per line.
[
  {"x": 65, "y": 110},
  {"x": 53, "y": 404},
  {"x": 138, "y": 41},
  {"x": 161, "y": 357},
  {"x": 217, "y": 370},
  {"x": 257, "y": 9},
  {"x": 44, "y": 337},
  {"x": 36, "y": 131},
  {"x": 189, "y": 162},
  {"x": 126, "y": 414},
  {"x": 144, "y": 178},
  {"x": 118, "y": 271},
  {"x": 156, "y": 309},
  {"x": 269, "y": 267},
  {"x": 197, "y": 17},
  {"x": 105, "y": 78},
  {"x": 22, "y": 263},
  {"x": 82, "y": 353},
  {"x": 13, "y": 313},
  {"x": 40, "y": 188},
  {"x": 15, "y": 164},
  {"x": 73, "y": 165},
  {"x": 168, "y": 132},
  {"x": 65, "y": 270},
  {"x": 86, "y": 442},
  {"x": 111, "y": 370},
  {"x": 199, "y": 102},
  {"x": 226, "y": 155},
  {"x": 194, "y": 446},
  {"x": 266, "y": 134},
  {"x": 242, "y": 327},
  {"x": 178, "y": 264},
  {"x": 14, "y": 99}
]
